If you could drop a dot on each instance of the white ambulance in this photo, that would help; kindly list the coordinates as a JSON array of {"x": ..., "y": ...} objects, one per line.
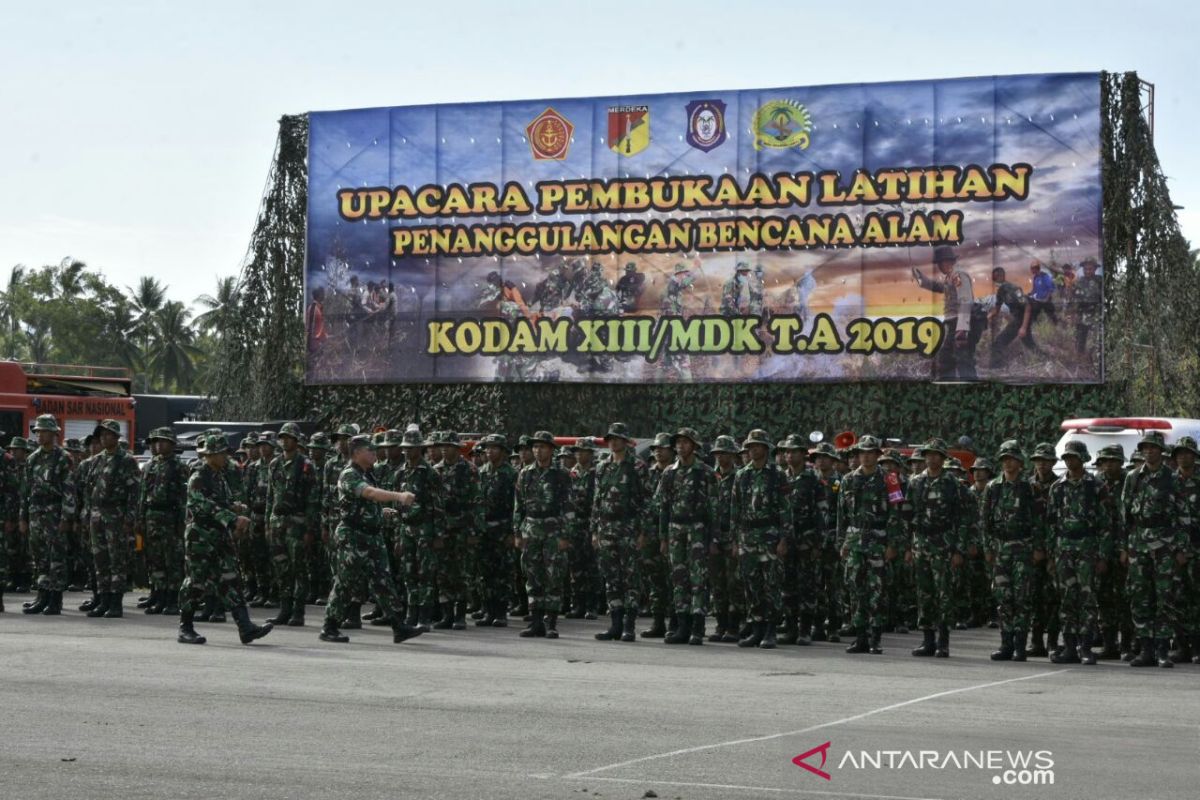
[{"x": 1125, "y": 431}]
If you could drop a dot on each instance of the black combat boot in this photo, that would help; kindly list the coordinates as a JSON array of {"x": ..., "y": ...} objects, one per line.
[
  {"x": 1005, "y": 653},
  {"x": 818, "y": 631},
  {"x": 681, "y": 632},
  {"x": 187, "y": 634},
  {"x": 330, "y": 633},
  {"x": 54, "y": 607},
  {"x": 1051, "y": 641},
  {"x": 217, "y": 610},
  {"x": 576, "y": 611},
  {"x": 1110, "y": 651},
  {"x": 402, "y": 631},
  {"x": 88, "y": 605},
  {"x": 1162, "y": 653},
  {"x": 657, "y": 629},
  {"x": 1070, "y": 653},
  {"x": 1129, "y": 646},
  {"x": 1145, "y": 655},
  {"x": 115, "y": 602},
  {"x": 486, "y": 615},
  {"x": 876, "y": 641},
  {"x": 353, "y": 620},
  {"x": 1182, "y": 653},
  {"x": 718, "y": 633},
  {"x": 160, "y": 602},
  {"x": 1195, "y": 644},
  {"x": 39, "y": 604},
  {"x": 1086, "y": 656},
  {"x": 381, "y": 620},
  {"x": 943, "y": 642},
  {"x": 101, "y": 608},
  {"x": 861, "y": 644},
  {"x": 614, "y": 627},
  {"x": 374, "y": 614},
  {"x": 757, "y": 631},
  {"x": 285, "y": 613},
  {"x": 629, "y": 633},
  {"x": 768, "y": 640},
  {"x": 551, "y": 624},
  {"x": 460, "y": 616},
  {"x": 247, "y": 630},
  {"x": 537, "y": 626},
  {"x": 296, "y": 620},
  {"x": 1, "y": 598},
  {"x": 1019, "y": 653},
  {"x": 734, "y": 632},
  {"x": 791, "y": 630},
  {"x": 697, "y": 637},
  {"x": 171, "y": 602},
  {"x": 1037, "y": 647},
  {"x": 672, "y": 624},
  {"x": 501, "y": 612},
  {"x": 804, "y": 632},
  {"x": 928, "y": 645},
  {"x": 148, "y": 600},
  {"x": 425, "y": 618},
  {"x": 447, "y": 620}
]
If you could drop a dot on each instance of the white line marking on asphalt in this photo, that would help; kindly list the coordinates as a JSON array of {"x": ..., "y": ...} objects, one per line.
[
  {"x": 812, "y": 728},
  {"x": 737, "y": 787}
]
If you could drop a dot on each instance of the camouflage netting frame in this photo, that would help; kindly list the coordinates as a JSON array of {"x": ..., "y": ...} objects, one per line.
[{"x": 1151, "y": 358}]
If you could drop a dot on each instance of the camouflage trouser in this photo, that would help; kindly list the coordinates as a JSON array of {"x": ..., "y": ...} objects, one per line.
[
  {"x": 1074, "y": 574},
  {"x": 420, "y": 563},
  {"x": 80, "y": 565},
  {"x": 1112, "y": 600},
  {"x": 110, "y": 549},
  {"x": 1012, "y": 583},
  {"x": 1043, "y": 596},
  {"x": 1151, "y": 586},
  {"x": 495, "y": 545},
  {"x": 254, "y": 556},
  {"x": 865, "y": 572},
  {"x": 17, "y": 547},
  {"x": 164, "y": 551},
  {"x": 360, "y": 559},
  {"x": 830, "y": 584},
  {"x": 725, "y": 582},
  {"x": 656, "y": 574},
  {"x": 581, "y": 563},
  {"x": 48, "y": 547},
  {"x": 1187, "y": 589},
  {"x": 320, "y": 572},
  {"x": 799, "y": 569},
  {"x": 900, "y": 578},
  {"x": 761, "y": 573},
  {"x": 619, "y": 562},
  {"x": 210, "y": 567},
  {"x": 934, "y": 580},
  {"x": 544, "y": 563},
  {"x": 688, "y": 551},
  {"x": 979, "y": 589},
  {"x": 285, "y": 535},
  {"x": 4, "y": 564},
  {"x": 449, "y": 568}
]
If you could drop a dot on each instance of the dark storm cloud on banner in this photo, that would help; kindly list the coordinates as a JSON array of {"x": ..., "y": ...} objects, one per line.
[{"x": 782, "y": 235}]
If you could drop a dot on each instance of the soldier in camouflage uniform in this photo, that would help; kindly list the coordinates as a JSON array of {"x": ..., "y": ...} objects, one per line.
[
  {"x": 389, "y": 456},
  {"x": 1088, "y": 298},
  {"x": 83, "y": 491},
  {"x": 939, "y": 523},
  {"x": 462, "y": 520},
  {"x": 337, "y": 460},
  {"x": 676, "y": 367},
  {"x": 581, "y": 558},
  {"x": 1187, "y": 578},
  {"x": 210, "y": 560},
  {"x": 293, "y": 508},
  {"x": 687, "y": 502},
  {"x": 900, "y": 579},
  {"x": 497, "y": 487},
  {"x": 736, "y": 299},
  {"x": 256, "y": 585},
  {"x": 1013, "y": 540},
  {"x": 78, "y": 554},
  {"x": 10, "y": 512},
  {"x": 160, "y": 518},
  {"x": 1043, "y": 594},
  {"x": 256, "y": 485},
  {"x": 321, "y": 562},
  {"x": 361, "y": 551},
  {"x": 976, "y": 582},
  {"x": 418, "y": 534},
  {"x": 112, "y": 504},
  {"x": 760, "y": 515},
  {"x": 870, "y": 530},
  {"x": 1116, "y": 625},
  {"x": 655, "y": 571},
  {"x": 22, "y": 565},
  {"x": 618, "y": 508},
  {"x": 1078, "y": 525},
  {"x": 723, "y": 574},
  {"x": 541, "y": 516},
  {"x": 46, "y": 509},
  {"x": 1153, "y": 510},
  {"x": 827, "y": 614},
  {"x": 802, "y": 564}
]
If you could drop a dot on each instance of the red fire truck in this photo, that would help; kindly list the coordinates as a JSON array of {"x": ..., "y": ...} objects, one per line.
[{"x": 77, "y": 396}]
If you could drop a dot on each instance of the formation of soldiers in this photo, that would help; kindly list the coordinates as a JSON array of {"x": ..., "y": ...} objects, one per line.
[{"x": 775, "y": 544}]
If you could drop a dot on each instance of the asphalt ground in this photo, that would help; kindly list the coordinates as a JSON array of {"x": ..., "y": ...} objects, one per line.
[{"x": 117, "y": 709}]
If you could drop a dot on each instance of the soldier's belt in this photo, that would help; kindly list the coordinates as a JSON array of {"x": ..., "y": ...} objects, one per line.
[
  {"x": 872, "y": 531},
  {"x": 497, "y": 523},
  {"x": 686, "y": 520},
  {"x": 758, "y": 524},
  {"x": 543, "y": 517}
]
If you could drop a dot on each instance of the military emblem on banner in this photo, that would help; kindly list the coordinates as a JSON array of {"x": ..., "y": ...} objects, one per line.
[
  {"x": 628, "y": 129},
  {"x": 781, "y": 124},
  {"x": 706, "y": 124},
  {"x": 549, "y": 136}
]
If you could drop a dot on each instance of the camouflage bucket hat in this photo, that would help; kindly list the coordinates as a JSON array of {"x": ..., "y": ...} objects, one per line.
[
  {"x": 391, "y": 438},
  {"x": 292, "y": 430},
  {"x": 110, "y": 425},
  {"x": 1077, "y": 449},
  {"x": 757, "y": 436},
  {"x": 680, "y": 267},
  {"x": 916, "y": 456},
  {"x": 1137, "y": 458},
  {"x": 893, "y": 455},
  {"x": 584, "y": 443},
  {"x": 542, "y": 437},
  {"x": 494, "y": 440},
  {"x": 618, "y": 430},
  {"x": 982, "y": 463},
  {"x": 523, "y": 441},
  {"x": 1044, "y": 451},
  {"x": 1111, "y": 452},
  {"x": 215, "y": 444},
  {"x": 1011, "y": 449},
  {"x": 319, "y": 441},
  {"x": 689, "y": 434},
  {"x": 267, "y": 438},
  {"x": 824, "y": 449},
  {"x": 19, "y": 443},
  {"x": 662, "y": 440},
  {"x": 348, "y": 430},
  {"x": 954, "y": 465},
  {"x": 412, "y": 438},
  {"x": 162, "y": 434},
  {"x": 449, "y": 438},
  {"x": 868, "y": 444},
  {"x": 1185, "y": 443},
  {"x": 935, "y": 445},
  {"x": 725, "y": 444},
  {"x": 47, "y": 422},
  {"x": 794, "y": 441},
  {"x": 250, "y": 439},
  {"x": 73, "y": 446},
  {"x": 361, "y": 440},
  {"x": 742, "y": 266}
]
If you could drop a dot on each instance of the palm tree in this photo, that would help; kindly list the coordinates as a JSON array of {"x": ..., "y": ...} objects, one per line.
[
  {"x": 221, "y": 307},
  {"x": 173, "y": 351},
  {"x": 68, "y": 279},
  {"x": 147, "y": 300},
  {"x": 10, "y": 315}
]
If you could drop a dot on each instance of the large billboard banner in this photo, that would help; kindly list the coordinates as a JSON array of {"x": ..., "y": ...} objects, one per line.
[{"x": 942, "y": 230}]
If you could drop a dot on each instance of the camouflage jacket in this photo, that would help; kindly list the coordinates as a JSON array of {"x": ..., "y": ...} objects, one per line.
[
  {"x": 1077, "y": 516},
  {"x": 497, "y": 486},
  {"x": 688, "y": 495},
  {"x": 724, "y": 530},
  {"x": 461, "y": 510},
  {"x": 331, "y": 473},
  {"x": 672, "y": 296},
  {"x": 583, "y": 493},
  {"x": 940, "y": 512},
  {"x": 1006, "y": 514},
  {"x": 258, "y": 483},
  {"x": 164, "y": 489},
  {"x": 543, "y": 494},
  {"x": 863, "y": 507},
  {"x": 805, "y": 490},
  {"x": 355, "y": 513},
  {"x": 621, "y": 488},
  {"x": 1111, "y": 499},
  {"x": 49, "y": 487},
  {"x": 1041, "y": 495},
  {"x": 1088, "y": 298},
  {"x": 235, "y": 476},
  {"x": 828, "y": 490},
  {"x": 115, "y": 490},
  {"x": 1189, "y": 501},
  {"x": 209, "y": 502},
  {"x": 650, "y": 523},
  {"x": 759, "y": 502},
  {"x": 1152, "y": 503},
  {"x": 424, "y": 482},
  {"x": 83, "y": 487},
  {"x": 10, "y": 488},
  {"x": 292, "y": 489},
  {"x": 974, "y": 534}
]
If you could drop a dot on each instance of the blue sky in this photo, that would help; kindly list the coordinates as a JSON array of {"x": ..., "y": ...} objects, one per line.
[{"x": 138, "y": 134}]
